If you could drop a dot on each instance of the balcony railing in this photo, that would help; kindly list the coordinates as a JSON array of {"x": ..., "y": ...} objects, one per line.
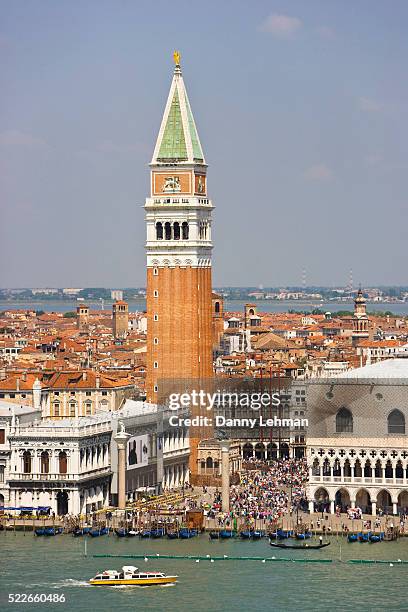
[
  {"x": 54, "y": 431},
  {"x": 56, "y": 477},
  {"x": 359, "y": 480}
]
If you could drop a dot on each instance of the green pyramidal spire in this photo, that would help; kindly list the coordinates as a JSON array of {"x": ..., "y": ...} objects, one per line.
[
  {"x": 178, "y": 139},
  {"x": 173, "y": 144}
]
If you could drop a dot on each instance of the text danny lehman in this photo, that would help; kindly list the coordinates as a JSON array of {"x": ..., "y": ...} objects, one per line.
[{"x": 222, "y": 421}]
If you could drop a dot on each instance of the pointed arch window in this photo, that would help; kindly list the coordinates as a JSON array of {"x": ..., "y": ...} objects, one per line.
[
  {"x": 399, "y": 470},
  {"x": 367, "y": 469},
  {"x": 326, "y": 468},
  {"x": 388, "y": 469},
  {"x": 336, "y": 468},
  {"x": 396, "y": 422},
  {"x": 344, "y": 421}
]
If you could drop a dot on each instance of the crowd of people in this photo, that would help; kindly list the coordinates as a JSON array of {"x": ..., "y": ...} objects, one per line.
[{"x": 266, "y": 492}]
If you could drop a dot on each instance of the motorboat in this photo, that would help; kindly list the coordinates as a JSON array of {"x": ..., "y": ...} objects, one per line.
[{"x": 131, "y": 576}]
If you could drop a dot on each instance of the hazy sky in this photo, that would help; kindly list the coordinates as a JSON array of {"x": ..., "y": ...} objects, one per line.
[{"x": 301, "y": 108}]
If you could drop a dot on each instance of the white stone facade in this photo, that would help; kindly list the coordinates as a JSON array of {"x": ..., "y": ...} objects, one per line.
[
  {"x": 195, "y": 250},
  {"x": 357, "y": 444},
  {"x": 63, "y": 465}
]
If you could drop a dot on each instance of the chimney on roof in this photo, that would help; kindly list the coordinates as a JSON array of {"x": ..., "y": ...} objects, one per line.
[
  {"x": 17, "y": 384},
  {"x": 24, "y": 376},
  {"x": 84, "y": 375},
  {"x": 98, "y": 382}
]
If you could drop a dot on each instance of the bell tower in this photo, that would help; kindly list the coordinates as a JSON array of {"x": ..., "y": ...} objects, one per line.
[
  {"x": 360, "y": 319},
  {"x": 178, "y": 249}
]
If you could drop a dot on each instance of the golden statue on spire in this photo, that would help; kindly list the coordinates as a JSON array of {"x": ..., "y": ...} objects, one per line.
[{"x": 176, "y": 57}]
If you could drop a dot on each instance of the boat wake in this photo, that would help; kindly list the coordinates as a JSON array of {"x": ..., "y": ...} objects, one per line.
[
  {"x": 62, "y": 584},
  {"x": 138, "y": 586},
  {"x": 71, "y": 582}
]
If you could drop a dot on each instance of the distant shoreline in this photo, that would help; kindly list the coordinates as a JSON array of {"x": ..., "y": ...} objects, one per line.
[{"x": 59, "y": 305}]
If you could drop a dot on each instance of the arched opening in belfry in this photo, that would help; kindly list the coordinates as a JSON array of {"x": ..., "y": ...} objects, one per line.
[
  {"x": 176, "y": 230},
  {"x": 159, "y": 231},
  {"x": 184, "y": 229},
  {"x": 167, "y": 231}
]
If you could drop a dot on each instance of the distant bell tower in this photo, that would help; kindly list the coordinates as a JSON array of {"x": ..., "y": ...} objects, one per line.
[
  {"x": 360, "y": 319},
  {"x": 120, "y": 316},
  {"x": 82, "y": 317},
  {"x": 178, "y": 248}
]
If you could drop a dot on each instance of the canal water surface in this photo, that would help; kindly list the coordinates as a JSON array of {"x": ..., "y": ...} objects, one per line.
[{"x": 40, "y": 565}]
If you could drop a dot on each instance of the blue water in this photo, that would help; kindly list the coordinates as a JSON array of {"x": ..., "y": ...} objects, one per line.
[
  {"x": 230, "y": 305},
  {"x": 58, "y": 565}
]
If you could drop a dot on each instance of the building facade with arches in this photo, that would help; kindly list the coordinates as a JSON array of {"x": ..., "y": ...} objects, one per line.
[
  {"x": 71, "y": 465},
  {"x": 357, "y": 444},
  {"x": 64, "y": 465}
]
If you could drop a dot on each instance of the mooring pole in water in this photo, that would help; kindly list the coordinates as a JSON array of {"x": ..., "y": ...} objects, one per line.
[{"x": 85, "y": 547}]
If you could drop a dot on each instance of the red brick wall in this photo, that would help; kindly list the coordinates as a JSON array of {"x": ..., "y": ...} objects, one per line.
[{"x": 184, "y": 331}]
